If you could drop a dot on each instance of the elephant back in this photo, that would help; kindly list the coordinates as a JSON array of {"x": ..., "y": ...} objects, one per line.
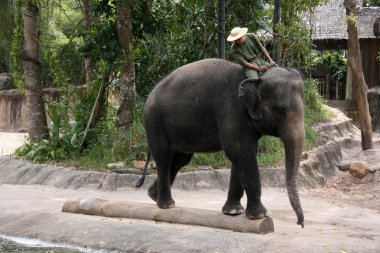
[{"x": 209, "y": 79}]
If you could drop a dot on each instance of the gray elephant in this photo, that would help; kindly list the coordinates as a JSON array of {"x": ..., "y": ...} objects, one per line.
[{"x": 208, "y": 106}]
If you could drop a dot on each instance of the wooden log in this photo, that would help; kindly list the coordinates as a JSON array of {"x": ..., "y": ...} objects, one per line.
[{"x": 180, "y": 215}]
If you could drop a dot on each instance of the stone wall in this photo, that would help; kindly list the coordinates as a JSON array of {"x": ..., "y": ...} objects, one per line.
[{"x": 12, "y": 111}]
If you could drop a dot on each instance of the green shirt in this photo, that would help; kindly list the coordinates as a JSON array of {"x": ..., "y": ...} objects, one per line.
[{"x": 250, "y": 51}]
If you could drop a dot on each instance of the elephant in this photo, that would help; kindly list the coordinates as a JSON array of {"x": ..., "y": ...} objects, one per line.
[{"x": 210, "y": 106}]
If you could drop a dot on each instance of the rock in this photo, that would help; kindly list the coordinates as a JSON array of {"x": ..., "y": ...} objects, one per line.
[
  {"x": 344, "y": 165},
  {"x": 373, "y": 168},
  {"x": 6, "y": 81},
  {"x": 130, "y": 171},
  {"x": 358, "y": 169},
  {"x": 139, "y": 164},
  {"x": 117, "y": 165}
]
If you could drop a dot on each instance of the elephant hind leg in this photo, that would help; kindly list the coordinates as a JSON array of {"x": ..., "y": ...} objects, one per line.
[{"x": 179, "y": 160}]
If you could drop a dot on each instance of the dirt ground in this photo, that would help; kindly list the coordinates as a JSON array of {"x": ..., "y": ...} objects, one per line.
[
  {"x": 339, "y": 190},
  {"x": 343, "y": 188}
]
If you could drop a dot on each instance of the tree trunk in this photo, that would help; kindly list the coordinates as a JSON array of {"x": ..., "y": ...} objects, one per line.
[
  {"x": 349, "y": 94},
  {"x": 127, "y": 86},
  {"x": 37, "y": 123},
  {"x": 209, "y": 44},
  {"x": 360, "y": 87},
  {"x": 89, "y": 65}
]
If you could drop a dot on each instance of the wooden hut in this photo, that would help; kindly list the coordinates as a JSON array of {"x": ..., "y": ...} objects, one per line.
[{"x": 329, "y": 32}]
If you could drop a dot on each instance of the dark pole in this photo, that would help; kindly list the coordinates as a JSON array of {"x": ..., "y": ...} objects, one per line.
[
  {"x": 276, "y": 21},
  {"x": 221, "y": 27}
]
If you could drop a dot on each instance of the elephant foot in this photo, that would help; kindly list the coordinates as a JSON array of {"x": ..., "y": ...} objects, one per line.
[
  {"x": 166, "y": 204},
  {"x": 152, "y": 193},
  {"x": 257, "y": 211},
  {"x": 233, "y": 209}
]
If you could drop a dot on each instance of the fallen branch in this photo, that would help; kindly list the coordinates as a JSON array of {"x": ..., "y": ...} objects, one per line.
[{"x": 95, "y": 109}]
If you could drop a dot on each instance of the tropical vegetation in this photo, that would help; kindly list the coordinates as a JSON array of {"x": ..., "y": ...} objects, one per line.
[{"x": 104, "y": 56}]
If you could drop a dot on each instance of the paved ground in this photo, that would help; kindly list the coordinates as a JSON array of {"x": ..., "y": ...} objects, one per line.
[
  {"x": 10, "y": 141},
  {"x": 34, "y": 211}
]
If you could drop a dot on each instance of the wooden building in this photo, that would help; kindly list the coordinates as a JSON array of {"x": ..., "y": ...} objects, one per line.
[{"x": 329, "y": 32}]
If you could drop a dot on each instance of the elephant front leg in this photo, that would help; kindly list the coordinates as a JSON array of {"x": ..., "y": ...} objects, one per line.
[
  {"x": 251, "y": 183},
  {"x": 245, "y": 176},
  {"x": 235, "y": 193}
]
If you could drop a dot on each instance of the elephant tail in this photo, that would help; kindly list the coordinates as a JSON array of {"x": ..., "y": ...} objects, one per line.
[{"x": 142, "y": 178}]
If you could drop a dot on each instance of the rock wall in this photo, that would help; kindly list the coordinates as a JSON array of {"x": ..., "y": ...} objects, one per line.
[
  {"x": 13, "y": 111},
  {"x": 6, "y": 81}
]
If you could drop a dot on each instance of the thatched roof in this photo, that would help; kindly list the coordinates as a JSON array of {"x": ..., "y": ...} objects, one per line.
[{"x": 329, "y": 21}]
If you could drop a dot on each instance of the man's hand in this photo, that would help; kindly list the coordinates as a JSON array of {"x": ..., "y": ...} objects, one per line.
[{"x": 261, "y": 68}]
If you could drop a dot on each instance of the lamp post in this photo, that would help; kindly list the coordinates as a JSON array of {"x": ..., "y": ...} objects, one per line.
[{"x": 221, "y": 28}]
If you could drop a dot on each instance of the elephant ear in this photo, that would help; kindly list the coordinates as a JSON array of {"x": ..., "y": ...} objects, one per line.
[{"x": 249, "y": 95}]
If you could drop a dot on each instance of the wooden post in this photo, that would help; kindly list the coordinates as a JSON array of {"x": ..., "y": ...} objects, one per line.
[
  {"x": 328, "y": 80},
  {"x": 336, "y": 90}
]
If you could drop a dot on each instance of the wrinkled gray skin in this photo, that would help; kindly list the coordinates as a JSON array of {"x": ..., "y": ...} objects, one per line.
[{"x": 206, "y": 107}]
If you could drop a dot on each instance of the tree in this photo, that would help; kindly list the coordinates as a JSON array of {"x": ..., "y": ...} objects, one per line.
[
  {"x": 209, "y": 27},
  {"x": 294, "y": 41},
  {"x": 37, "y": 122},
  {"x": 127, "y": 84},
  {"x": 360, "y": 86},
  {"x": 88, "y": 61},
  {"x": 5, "y": 34}
]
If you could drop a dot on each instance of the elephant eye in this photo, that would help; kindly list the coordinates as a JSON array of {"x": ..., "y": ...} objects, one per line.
[{"x": 279, "y": 112}]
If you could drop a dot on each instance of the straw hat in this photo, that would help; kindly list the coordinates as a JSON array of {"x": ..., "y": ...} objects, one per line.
[{"x": 237, "y": 33}]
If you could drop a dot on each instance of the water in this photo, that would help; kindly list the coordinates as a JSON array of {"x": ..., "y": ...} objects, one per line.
[{"x": 16, "y": 244}]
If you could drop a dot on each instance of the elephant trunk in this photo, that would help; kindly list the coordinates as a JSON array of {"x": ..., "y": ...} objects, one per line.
[{"x": 293, "y": 137}]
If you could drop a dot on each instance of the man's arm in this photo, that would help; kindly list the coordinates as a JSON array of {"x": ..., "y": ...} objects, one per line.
[{"x": 267, "y": 56}]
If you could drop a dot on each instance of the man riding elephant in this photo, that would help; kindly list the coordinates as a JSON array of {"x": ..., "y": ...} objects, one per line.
[{"x": 249, "y": 52}]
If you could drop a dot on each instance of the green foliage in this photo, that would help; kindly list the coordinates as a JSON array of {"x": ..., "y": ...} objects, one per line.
[
  {"x": 173, "y": 34},
  {"x": 337, "y": 63},
  {"x": 177, "y": 40},
  {"x": 215, "y": 160},
  {"x": 312, "y": 97},
  {"x": 105, "y": 145},
  {"x": 167, "y": 34},
  {"x": 63, "y": 140},
  {"x": 270, "y": 150},
  {"x": 378, "y": 56},
  {"x": 16, "y": 46},
  {"x": 368, "y": 3},
  {"x": 294, "y": 38},
  {"x": 5, "y": 34}
]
